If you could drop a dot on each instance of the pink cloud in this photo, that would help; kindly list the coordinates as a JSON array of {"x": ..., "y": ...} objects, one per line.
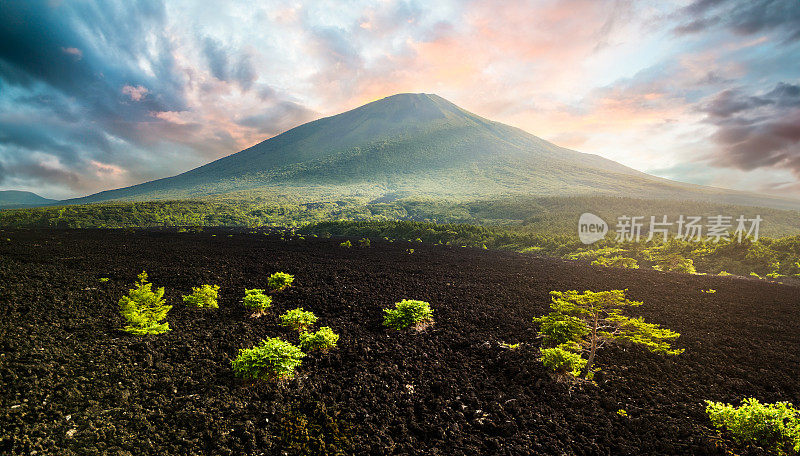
[
  {"x": 105, "y": 169},
  {"x": 75, "y": 52},
  {"x": 519, "y": 52},
  {"x": 137, "y": 93}
]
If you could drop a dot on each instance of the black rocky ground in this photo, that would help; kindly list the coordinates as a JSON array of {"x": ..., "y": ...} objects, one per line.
[{"x": 71, "y": 383}]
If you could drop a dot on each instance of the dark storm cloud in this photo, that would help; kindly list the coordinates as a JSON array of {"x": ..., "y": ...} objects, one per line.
[
  {"x": 730, "y": 102},
  {"x": 217, "y": 59},
  {"x": 335, "y": 48},
  {"x": 24, "y": 137},
  {"x": 743, "y": 17},
  {"x": 244, "y": 72},
  {"x": 39, "y": 171},
  {"x": 240, "y": 71},
  {"x": 34, "y": 35},
  {"x": 22, "y": 167},
  {"x": 755, "y": 131},
  {"x": 281, "y": 116},
  {"x": 58, "y": 107},
  {"x": 65, "y": 67},
  {"x": 92, "y": 86}
]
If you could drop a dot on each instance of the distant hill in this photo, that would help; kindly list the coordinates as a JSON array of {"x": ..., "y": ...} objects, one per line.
[
  {"x": 15, "y": 198},
  {"x": 418, "y": 145}
]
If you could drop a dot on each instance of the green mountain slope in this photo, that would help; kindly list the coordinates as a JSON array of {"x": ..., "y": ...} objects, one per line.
[
  {"x": 417, "y": 145},
  {"x": 16, "y": 198}
]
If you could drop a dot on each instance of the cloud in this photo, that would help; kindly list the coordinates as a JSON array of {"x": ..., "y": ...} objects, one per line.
[
  {"x": 217, "y": 59},
  {"x": 123, "y": 85},
  {"x": 77, "y": 53},
  {"x": 136, "y": 93},
  {"x": 105, "y": 168},
  {"x": 149, "y": 88},
  {"x": 39, "y": 167},
  {"x": 278, "y": 118},
  {"x": 743, "y": 18},
  {"x": 756, "y": 131},
  {"x": 241, "y": 71}
]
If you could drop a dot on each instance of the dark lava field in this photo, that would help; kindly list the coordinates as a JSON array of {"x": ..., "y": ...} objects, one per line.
[{"x": 72, "y": 383}]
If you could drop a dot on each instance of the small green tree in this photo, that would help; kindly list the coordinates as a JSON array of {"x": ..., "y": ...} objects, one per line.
[
  {"x": 676, "y": 263},
  {"x": 144, "y": 308},
  {"x": 346, "y": 244},
  {"x": 616, "y": 262},
  {"x": 601, "y": 315},
  {"x": 280, "y": 281},
  {"x": 256, "y": 300},
  {"x": 773, "y": 426},
  {"x": 363, "y": 242},
  {"x": 322, "y": 340},
  {"x": 298, "y": 319},
  {"x": 204, "y": 296},
  {"x": 408, "y": 313},
  {"x": 272, "y": 359}
]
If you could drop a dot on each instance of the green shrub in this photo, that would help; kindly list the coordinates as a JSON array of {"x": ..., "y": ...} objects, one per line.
[
  {"x": 594, "y": 254},
  {"x": 144, "y": 308},
  {"x": 676, "y": 263},
  {"x": 408, "y": 313},
  {"x": 616, "y": 262},
  {"x": 272, "y": 359},
  {"x": 562, "y": 360},
  {"x": 256, "y": 300},
  {"x": 103, "y": 279},
  {"x": 773, "y": 426},
  {"x": 364, "y": 242},
  {"x": 322, "y": 340},
  {"x": 204, "y": 296},
  {"x": 346, "y": 244},
  {"x": 280, "y": 281},
  {"x": 298, "y": 319}
]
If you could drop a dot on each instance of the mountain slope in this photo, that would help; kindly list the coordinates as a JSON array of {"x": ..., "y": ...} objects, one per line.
[
  {"x": 417, "y": 145},
  {"x": 16, "y": 198}
]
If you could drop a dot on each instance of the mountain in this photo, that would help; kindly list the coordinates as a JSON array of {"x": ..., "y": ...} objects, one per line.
[
  {"x": 15, "y": 198},
  {"x": 417, "y": 145}
]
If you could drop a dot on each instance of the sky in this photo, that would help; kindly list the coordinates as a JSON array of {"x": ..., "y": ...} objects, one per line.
[{"x": 96, "y": 95}]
